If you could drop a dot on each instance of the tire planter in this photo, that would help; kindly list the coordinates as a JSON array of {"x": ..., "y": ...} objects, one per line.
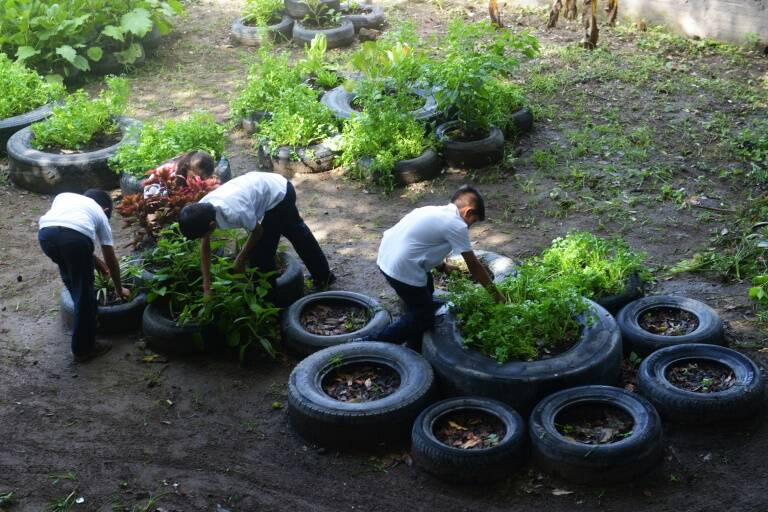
[
  {"x": 121, "y": 317},
  {"x": 130, "y": 184},
  {"x": 109, "y": 65},
  {"x": 469, "y": 465},
  {"x": 290, "y": 284},
  {"x": 580, "y": 462},
  {"x": 289, "y": 161},
  {"x": 371, "y": 17},
  {"x": 521, "y": 122},
  {"x": 47, "y": 173},
  {"x": 337, "y": 37},
  {"x": 246, "y": 35},
  {"x": 743, "y": 399},
  {"x": 474, "y": 153},
  {"x": 249, "y": 122},
  {"x": 302, "y": 342},
  {"x": 428, "y": 165},
  {"x": 638, "y": 340},
  {"x": 164, "y": 335},
  {"x": 297, "y": 9},
  {"x": 633, "y": 290},
  {"x": 322, "y": 419},
  {"x": 594, "y": 359},
  {"x": 339, "y": 100},
  {"x": 11, "y": 125},
  {"x": 152, "y": 40}
]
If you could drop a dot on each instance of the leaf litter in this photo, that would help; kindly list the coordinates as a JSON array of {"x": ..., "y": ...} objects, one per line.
[
  {"x": 470, "y": 429},
  {"x": 333, "y": 319},
  {"x": 361, "y": 382},
  {"x": 668, "y": 321},
  {"x": 700, "y": 376}
]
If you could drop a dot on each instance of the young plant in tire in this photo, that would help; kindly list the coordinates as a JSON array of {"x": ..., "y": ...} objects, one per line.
[
  {"x": 298, "y": 120},
  {"x": 385, "y": 134},
  {"x": 261, "y": 13},
  {"x": 314, "y": 66},
  {"x": 105, "y": 287},
  {"x": 395, "y": 57},
  {"x": 163, "y": 140},
  {"x": 82, "y": 122},
  {"x": 23, "y": 90},
  {"x": 320, "y": 16}
]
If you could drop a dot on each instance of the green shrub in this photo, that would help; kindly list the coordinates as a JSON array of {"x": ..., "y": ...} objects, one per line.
[
  {"x": 298, "y": 119},
  {"x": 386, "y": 134},
  {"x": 269, "y": 77},
  {"x": 23, "y": 90},
  {"x": 751, "y": 146},
  {"x": 596, "y": 266},
  {"x": 160, "y": 141},
  {"x": 315, "y": 66},
  {"x": 538, "y": 317},
  {"x": 60, "y": 37},
  {"x": 81, "y": 119},
  {"x": 237, "y": 307},
  {"x": 261, "y": 13}
]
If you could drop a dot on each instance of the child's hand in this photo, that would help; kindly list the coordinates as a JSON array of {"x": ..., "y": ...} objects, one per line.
[{"x": 125, "y": 293}]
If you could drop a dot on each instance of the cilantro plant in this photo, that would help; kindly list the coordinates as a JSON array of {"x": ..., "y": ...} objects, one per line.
[
  {"x": 80, "y": 119},
  {"x": 66, "y": 36},
  {"x": 298, "y": 119},
  {"x": 596, "y": 266},
  {"x": 269, "y": 77},
  {"x": 163, "y": 140},
  {"x": 238, "y": 307},
  {"x": 386, "y": 134},
  {"x": 23, "y": 90},
  {"x": 538, "y": 317},
  {"x": 260, "y": 13}
]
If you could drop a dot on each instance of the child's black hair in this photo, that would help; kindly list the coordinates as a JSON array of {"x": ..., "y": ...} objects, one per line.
[
  {"x": 195, "y": 219},
  {"x": 199, "y": 160},
  {"x": 102, "y": 198},
  {"x": 461, "y": 198}
]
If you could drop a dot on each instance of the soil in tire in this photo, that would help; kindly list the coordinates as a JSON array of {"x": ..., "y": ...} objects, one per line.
[
  {"x": 700, "y": 376},
  {"x": 361, "y": 382},
  {"x": 594, "y": 424},
  {"x": 664, "y": 321},
  {"x": 469, "y": 429},
  {"x": 333, "y": 318}
]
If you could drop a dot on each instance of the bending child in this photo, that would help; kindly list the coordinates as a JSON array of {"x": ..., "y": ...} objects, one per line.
[
  {"x": 417, "y": 244},
  {"x": 189, "y": 164}
]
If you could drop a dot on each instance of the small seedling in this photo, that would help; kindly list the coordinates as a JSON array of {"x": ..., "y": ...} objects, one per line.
[{"x": 277, "y": 405}]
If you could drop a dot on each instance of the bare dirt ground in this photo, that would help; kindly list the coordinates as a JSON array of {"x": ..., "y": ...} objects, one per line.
[{"x": 625, "y": 138}]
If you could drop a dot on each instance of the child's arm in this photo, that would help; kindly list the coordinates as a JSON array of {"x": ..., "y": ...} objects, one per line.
[
  {"x": 250, "y": 243},
  {"x": 101, "y": 266},
  {"x": 205, "y": 263},
  {"x": 114, "y": 270},
  {"x": 479, "y": 274}
]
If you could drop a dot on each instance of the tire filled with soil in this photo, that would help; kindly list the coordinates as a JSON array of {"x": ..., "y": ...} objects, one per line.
[
  {"x": 660, "y": 321},
  {"x": 469, "y": 439},
  {"x": 700, "y": 383},
  {"x": 358, "y": 394},
  {"x": 596, "y": 434},
  {"x": 467, "y": 151},
  {"x": 336, "y": 36},
  {"x": 326, "y": 319},
  {"x": 113, "y": 314},
  {"x": 342, "y": 103}
]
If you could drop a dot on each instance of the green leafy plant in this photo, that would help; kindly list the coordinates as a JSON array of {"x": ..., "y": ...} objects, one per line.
[
  {"x": 476, "y": 54},
  {"x": 298, "y": 120},
  {"x": 397, "y": 58},
  {"x": 269, "y": 77},
  {"x": 384, "y": 134},
  {"x": 105, "y": 287},
  {"x": 23, "y": 90},
  {"x": 160, "y": 141},
  {"x": 80, "y": 120},
  {"x": 595, "y": 266},
  {"x": 538, "y": 316},
  {"x": 314, "y": 65},
  {"x": 60, "y": 38},
  {"x": 261, "y": 13},
  {"x": 320, "y": 15}
]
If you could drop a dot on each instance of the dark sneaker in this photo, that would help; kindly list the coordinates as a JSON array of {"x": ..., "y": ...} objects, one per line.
[{"x": 99, "y": 349}]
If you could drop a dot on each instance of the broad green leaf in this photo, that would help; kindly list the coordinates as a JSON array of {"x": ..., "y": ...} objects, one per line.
[
  {"x": 114, "y": 32},
  {"x": 138, "y": 22},
  {"x": 55, "y": 78},
  {"x": 81, "y": 63},
  {"x": 67, "y": 52},
  {"x": 130, "y": 55},
  {"x": 95, "y": 53},
  {"x": 25, "y": 52}
]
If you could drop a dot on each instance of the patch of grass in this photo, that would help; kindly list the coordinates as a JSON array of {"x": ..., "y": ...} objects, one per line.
[{"x": 544, "y": 159}]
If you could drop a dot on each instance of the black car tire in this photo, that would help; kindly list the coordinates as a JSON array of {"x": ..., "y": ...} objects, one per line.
[
  {"x": 373, "y": 17},
  {"x": 471, "y": 154},
  {"x": 339, "y": 100},
  {"x": 633, "y": 290},
  {"x": 288, "y": 161},
  {"x": 11, "y": 125},
  {"x": 297, "y": 9},
  {"x": 117, "y": 318},
  {"x": 247, "y": 35},
  {"x": 336, "y": 37}
]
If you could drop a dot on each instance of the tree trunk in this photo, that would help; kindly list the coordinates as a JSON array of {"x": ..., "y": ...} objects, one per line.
[
  {"x": 570, "y": 9},
  {"x": 554, "y": 13},
  {"x": 589, "y": 17},
  {"x": 612, "y": 8}
]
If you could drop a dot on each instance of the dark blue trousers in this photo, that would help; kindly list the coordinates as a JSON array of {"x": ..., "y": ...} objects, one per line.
[
  {"x": 284, "y": 220},
  {"x": 419, "y": 314},
  {"x": 72, "y": 251}
]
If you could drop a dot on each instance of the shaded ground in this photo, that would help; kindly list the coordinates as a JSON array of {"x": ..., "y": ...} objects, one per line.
[{"x": 626, "y": 137}]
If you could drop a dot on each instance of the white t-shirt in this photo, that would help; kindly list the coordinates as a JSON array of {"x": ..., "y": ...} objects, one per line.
[
  {"x": 420, "y": 241},
  {"x": 243, "y": 201},
  {"x": 83, "y": 214}
]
